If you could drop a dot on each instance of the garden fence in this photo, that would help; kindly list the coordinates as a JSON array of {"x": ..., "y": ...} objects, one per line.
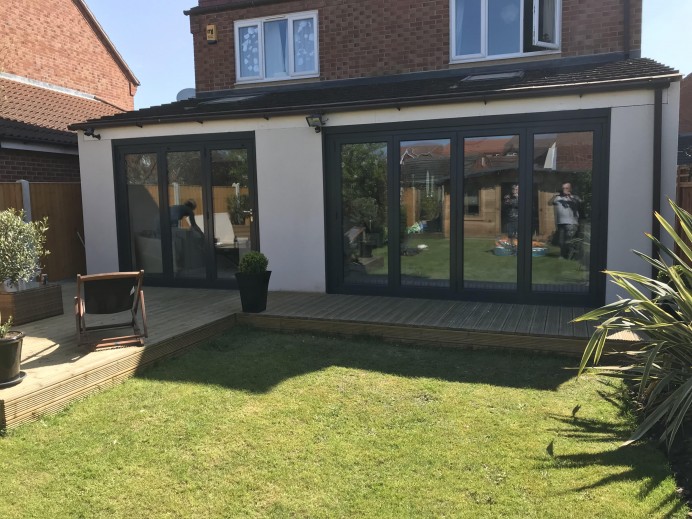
[{"x": 62, "y": 204}]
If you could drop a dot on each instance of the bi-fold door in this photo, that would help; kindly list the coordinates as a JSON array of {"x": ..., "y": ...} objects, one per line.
[
  {"x": 186, "y": 209},
  {"x": 513, "y": 213}
]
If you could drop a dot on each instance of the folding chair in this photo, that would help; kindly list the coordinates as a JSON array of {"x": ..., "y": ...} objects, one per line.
[{"x": 112, "y": 293}]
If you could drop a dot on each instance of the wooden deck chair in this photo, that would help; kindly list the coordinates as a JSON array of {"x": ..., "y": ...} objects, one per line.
[{"x": 113, "y": 293}]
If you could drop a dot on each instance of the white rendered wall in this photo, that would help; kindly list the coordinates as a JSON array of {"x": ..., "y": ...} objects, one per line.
[
  {"x": 630, "y": 207},
  {"x": 291, "y": 203},
  {"x": 98, "y": 205},
  {"x": 290, "y": 176}
]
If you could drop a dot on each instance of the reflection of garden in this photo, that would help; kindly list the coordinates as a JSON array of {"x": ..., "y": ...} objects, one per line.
[{"x": 480, "y": 263}]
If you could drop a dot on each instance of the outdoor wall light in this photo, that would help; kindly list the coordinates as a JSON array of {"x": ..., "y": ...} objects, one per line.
[
  {"x": 89, "y": 132},
  {"x": 211, "y": 33},
  {"x": 316, "y": 121}
]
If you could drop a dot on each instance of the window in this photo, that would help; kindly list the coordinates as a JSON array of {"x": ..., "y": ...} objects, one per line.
[
  {"x": 484, "y": 29},
  {"x": 277, "y": 48}
]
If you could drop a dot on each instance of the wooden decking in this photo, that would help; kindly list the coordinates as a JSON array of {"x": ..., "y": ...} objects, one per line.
[{"x": 58, "y": 372}]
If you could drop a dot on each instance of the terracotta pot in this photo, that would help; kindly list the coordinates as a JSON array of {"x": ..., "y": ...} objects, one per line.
[{"x": 10, "y": 358}]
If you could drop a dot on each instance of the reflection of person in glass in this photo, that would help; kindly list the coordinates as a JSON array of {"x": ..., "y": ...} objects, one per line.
[
  {"x": 567, "y": 218},
  {"x": 511, "y": 204},
  {"x": 178, "y": 212}
]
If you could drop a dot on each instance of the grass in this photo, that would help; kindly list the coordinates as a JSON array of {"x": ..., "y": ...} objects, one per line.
[
  {"x": 480, "y": 262},
  {"x": 256, "y": 424}
]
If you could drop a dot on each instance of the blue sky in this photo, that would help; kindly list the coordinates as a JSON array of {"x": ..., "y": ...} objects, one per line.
[{"x": 154, "y": 38}]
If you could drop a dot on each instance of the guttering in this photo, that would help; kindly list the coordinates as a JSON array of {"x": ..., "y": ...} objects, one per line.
[
  {"x": 657, "y": 174},
  {"x": 231, "y": 6},
  {"x": 398, "y": 103}
]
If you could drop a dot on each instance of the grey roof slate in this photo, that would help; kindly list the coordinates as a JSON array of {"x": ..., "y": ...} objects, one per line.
[{"x": 523, "y": 80}]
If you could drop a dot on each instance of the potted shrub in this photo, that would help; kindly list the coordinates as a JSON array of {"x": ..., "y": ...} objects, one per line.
[
  {"x": 10, "y": 355},
  {"x": 22, "y": 244},
  {"x": 253, "y": 281}
]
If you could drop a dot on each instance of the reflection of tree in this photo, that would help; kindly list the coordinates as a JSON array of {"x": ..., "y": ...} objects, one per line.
[
  {"x": 184, "y": 167},
  {"x": 141, "y": 168},
  {"x": 229, "y": 167},
  {"x": 364, "y": 211},
  {"x": 429, "y": 207},
  {"x": 364, "y": 182},
  {"x": 581, "y": 186},
  {"x": 238, "y": 207}
]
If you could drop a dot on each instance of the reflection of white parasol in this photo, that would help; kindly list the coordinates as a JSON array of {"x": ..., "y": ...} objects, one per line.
[{"x": 551, "y": 157}]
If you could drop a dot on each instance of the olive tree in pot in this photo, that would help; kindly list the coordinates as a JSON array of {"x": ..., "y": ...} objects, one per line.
[
  {"x": 253, "y": 281},
  {"x": 10, "y": 355},
  {"x": 22, "y": 244}
]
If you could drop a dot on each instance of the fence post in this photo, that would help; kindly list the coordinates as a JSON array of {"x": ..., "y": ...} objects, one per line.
[{"x": 26, "y": 199}]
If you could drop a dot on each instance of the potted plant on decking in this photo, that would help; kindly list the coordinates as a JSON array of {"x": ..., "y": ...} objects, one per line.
[
  {"x": 10, "y": 355},
  {"x": 253, "y": 281},
  {"x": 22, "y": 245}
]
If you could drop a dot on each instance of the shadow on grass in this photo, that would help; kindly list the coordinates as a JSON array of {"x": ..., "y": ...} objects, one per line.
[
  {"x": 254, "y": 360},
  {"x": 642, "y": 462}
]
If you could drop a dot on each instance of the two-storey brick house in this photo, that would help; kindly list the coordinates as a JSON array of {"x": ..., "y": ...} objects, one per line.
[
  {"x": 505, "y": 150},
  {"x": 57, "y": 65}
]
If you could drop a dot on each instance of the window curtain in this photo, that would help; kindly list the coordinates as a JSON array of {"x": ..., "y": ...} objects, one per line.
[
  {"x": 275, "y": 49},
  {"x": 304, "y": 45},
  {"x": 249, "y": 51},
  {"x": 467, "y": 27}
]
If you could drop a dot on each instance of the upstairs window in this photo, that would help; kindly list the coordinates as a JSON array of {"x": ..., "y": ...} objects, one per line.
[
  {"x": 277, "y": 48},
  {"x": 483, "y": 29}
]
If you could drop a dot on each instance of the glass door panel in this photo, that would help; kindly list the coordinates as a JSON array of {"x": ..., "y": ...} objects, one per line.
[
  {"x": 364, "y": 213},
  {"x": 491, "y": 212},
  {"x": 141, "y": 172},
  {"x": 561, "y": 223},
  {"x": 424, "y": 209},
  {"x": 232, "y": 206},
  {"x": 186, "y": 210}
]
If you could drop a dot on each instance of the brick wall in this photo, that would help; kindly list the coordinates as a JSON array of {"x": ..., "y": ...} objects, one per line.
[
  {"x": 52, "y": 41},
  {"x": 38, "y": 167},
  {"x": 596, "y": 26},
  {"x": 363, "y": 38},
  {"x": 686, "y": 105}
]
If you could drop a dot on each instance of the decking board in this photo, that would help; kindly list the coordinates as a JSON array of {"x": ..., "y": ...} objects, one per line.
[{"x": 58, "y": 372}]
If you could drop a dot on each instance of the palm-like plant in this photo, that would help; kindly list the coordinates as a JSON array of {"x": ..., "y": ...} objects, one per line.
[{"x": 659, "y": 311}]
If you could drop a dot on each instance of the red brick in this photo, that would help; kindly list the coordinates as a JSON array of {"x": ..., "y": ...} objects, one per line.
[
  {"x": 37, "y": 167},
  {"x": 362, "y": 38},
  {"x": 52, "y": 41}
]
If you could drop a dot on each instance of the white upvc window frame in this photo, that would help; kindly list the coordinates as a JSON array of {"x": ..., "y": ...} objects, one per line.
[
  {"x": 259, "y": 23},
  {"x": 550, "y": 47},
  {"x": 536, "y": 39}
]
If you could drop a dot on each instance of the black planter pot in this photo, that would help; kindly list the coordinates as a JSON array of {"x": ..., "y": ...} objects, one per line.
[
  {"x": 253, "y": 291},
  {"x": 10, "y": 359}
]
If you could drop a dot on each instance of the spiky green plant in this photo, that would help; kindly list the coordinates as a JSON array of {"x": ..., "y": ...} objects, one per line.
[
  {"x": 4, "y": 328},
  {"x": 659, "y": 311}
]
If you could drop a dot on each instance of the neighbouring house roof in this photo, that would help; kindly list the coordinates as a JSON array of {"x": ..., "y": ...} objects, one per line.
[
  {"x": 39, "y": 114},
  {"x": 399, "y": 91}
]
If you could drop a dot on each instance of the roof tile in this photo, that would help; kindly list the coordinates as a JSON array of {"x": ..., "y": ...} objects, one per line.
[{"x": 34, "y": 113}]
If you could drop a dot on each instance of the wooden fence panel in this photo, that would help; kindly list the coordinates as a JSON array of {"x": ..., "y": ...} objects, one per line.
[
  {"x": 683, "y": 196},
  {"x": 62, "y": 204},
  {"x": 11, "y": 196}
]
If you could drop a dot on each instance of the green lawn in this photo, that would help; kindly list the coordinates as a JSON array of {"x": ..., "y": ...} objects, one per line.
[
  {"x": 256, "y": 424},
  {"x": 480, "y": 262}
]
